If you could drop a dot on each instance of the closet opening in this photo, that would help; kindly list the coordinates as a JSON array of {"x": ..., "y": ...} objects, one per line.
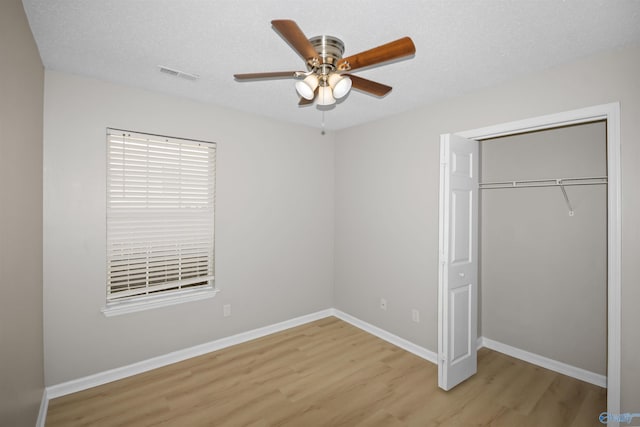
[
  {"x": 542, "y": 283},
  {"x": 537, "y": 216}
]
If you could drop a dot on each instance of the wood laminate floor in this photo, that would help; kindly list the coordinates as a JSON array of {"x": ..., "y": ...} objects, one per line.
[{"x": 329, "y": 373}]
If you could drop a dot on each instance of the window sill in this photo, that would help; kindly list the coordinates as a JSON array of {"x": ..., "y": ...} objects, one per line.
[{"x": 148, "y": 303}]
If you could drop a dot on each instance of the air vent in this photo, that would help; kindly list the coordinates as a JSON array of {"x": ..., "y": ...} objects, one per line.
[{"x": 178, "y": 73}]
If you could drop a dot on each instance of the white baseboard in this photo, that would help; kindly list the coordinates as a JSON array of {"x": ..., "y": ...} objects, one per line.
[
  {"x": 387, "y": 336},
  {"x": 545, "y": 362},
  {"x": 42, "y": 413},
  {"x": 100, "y": 378}
]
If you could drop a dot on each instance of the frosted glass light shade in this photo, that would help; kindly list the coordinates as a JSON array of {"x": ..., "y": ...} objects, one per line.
[
  {"x": 325, "y": 97},
  {"x": 340, "y": 85},
  {"x": 307, "y": 87}
]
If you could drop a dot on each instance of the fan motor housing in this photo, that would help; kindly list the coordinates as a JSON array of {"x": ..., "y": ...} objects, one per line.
[{"x": 329, "y": 48}]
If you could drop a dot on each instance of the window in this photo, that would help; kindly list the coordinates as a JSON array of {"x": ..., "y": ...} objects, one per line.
[{"x": 160, "y": 217}]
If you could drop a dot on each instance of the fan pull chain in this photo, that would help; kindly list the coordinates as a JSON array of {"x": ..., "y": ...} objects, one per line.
[{"x": 322, "y": 131}]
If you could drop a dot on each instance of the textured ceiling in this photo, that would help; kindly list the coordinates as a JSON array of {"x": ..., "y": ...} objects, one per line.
[{"x": 460, "y": 46}]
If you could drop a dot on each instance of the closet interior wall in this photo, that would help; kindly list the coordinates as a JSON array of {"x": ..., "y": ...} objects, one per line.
[{"x": 543, "y": 272}]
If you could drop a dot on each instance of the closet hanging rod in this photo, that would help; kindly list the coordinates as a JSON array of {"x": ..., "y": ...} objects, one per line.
[
  {"x": 490, "y": 186},
  {"x": 551, "y": 182},
  {"x": 557, "y": 182}
]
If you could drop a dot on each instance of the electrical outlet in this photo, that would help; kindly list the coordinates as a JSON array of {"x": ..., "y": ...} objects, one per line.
[
  {"x": 415, "y": 315},
  {"x": 226, "y": 310},
  {"x": 383, "y": 304}
]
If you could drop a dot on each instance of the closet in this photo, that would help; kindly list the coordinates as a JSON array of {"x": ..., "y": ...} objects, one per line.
[{"x": 543, "y": 244}]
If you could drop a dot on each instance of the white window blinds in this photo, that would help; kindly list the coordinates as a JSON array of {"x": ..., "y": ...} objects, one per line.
[{"x": 160, "y": 215}]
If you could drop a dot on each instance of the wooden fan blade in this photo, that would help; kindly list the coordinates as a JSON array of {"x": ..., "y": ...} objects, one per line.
[
  {"x": 393, "y": 50},
  {"x": 305, "y": 101},
  {"x": 296, "y": 38},
  {"x": 272, "y": 75},
  {"x": 369, "y": 86}
]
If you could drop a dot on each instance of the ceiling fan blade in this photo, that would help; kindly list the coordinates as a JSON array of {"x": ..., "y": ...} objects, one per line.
[
  {"x": 369, "y": 86},
  {"x": 272, "y": 75},
  {"x": 305, "y": 101},
  {"x": 393, "y": 50},
  {"x": 296, "y": 38}
]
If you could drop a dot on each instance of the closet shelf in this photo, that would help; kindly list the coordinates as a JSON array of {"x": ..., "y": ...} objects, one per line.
[{"x": 552, "y": 182}]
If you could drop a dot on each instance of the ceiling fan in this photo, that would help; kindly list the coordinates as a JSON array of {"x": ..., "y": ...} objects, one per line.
[{"x": 326, "y": 78}]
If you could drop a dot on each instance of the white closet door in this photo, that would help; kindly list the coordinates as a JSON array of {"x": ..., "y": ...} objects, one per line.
[{"x": 458, "y": 272}]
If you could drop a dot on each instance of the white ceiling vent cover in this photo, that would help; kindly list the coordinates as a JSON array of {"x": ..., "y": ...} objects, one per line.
[{"x": 178, "y": 73}]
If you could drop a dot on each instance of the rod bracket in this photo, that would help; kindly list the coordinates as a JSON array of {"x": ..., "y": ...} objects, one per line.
[{"x": 566, "y": 198}]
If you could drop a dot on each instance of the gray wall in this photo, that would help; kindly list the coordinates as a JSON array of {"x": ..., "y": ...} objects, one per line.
[
  {"x": 387, "y": 177},
  {"x": 543, "y": 273},
  {"x": 274, "y": 225},
  {"x": 21, "y": 89}
]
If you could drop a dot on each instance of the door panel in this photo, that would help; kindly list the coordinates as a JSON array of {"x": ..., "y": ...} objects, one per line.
[
  {"x": 461, "y": 202},
  {"x": 461, "y": 165},
  {"x": 458, "y": 272},
  {"x": 460, "y": 301}
]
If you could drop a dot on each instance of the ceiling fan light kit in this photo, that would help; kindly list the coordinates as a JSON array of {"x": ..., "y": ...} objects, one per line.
[
  {"x": 340, "y": 85},
  {"x": 307, "y": 87},
  {"x": 325, "y": 79},
  {"x": 325, "y": 97}
]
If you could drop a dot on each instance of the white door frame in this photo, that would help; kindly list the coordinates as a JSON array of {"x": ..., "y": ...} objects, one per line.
[{"x": 610, "y": 113}]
